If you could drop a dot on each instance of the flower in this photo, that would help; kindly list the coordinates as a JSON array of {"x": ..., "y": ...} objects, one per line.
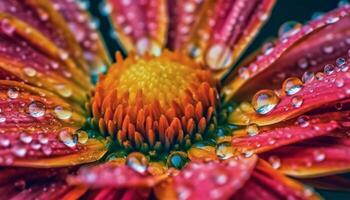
[{"x": 176, "y": 123}]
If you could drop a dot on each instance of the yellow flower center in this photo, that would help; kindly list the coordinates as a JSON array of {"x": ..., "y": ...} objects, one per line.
[{"x": 155, "y": 104}]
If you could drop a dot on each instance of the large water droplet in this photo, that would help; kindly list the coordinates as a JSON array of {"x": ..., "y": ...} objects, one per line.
[
  {"x": 64, "y": 90},
  {"x": 218, "y": 57},
  {"x": 225, "y": 150},
  {"x": 288, "y": 29},
  {"x": 36, "y": 109},
  {"x": 29, "y": 71},
  {"x": 62, "y": 113},
  {"x": 308, "y": 77},
  {"x": 292, "y": 85},
  {"x": 252, "y": 129},
  {"x": 339, "y": 82},
  {"x": 177, "y": 159},
  {"x": 83, "y": 137},
  {"x": 328, "y": 69},
  {"x": 137, "y": 161},
  {"x": 264, "y": 101}
]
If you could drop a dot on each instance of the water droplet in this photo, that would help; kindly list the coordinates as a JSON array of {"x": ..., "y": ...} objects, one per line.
[
  {"x": 339, "y": 82},
  {"x": 47, "y": 150},
  {"x": 292, "y": 86},
  {"x": 267, "y": 48},
  {"x": 83, "y": 137},
  {"x": 43, "y": 139},
  {"x": 264, "y": 101},
  {"x": 62, "y": 113},
  {"x": 221, "y": 179},
  {"x": 297, "y": 101},
  {"x": 68, "y": 138},
  {"x": 303, "y": 63},
  {"x": 13, "y": 93},
  {"x": 2, "y": 119},
  {"x": 7, "y": 27},
  {"x": 308, "y": 77},
  {"x": 275, "y": 162},
  {"x": 243, "y": 72},
  {"x": 340, "y": 61},
  {"x": 328, "y": 69},
  {"x": 319, "y": 76},
  {"x": 63, "y": 55},
  {"x": 252, "y": 129},
  {"x": 303, "y": 121},
  {"x": 25, "y": 138},
  {"x": 288, "y": 29},
  {"x": 319, "y": 156},
  {"x": 332, "y": 19},
  {"x": 64, "y": 90},
  {"x": 218, "y": 57},
  {"x": 35, "y": 145},
  {"x": 248, "y": 154},
  {"x": 19, "y": 150},
  {"x": 4, "y": 141},
  {"x": 338, "y": 106},
  {"x": 137, "y": 161},
  {"x": 36, "y": 109},
  {"x": 328, "y": 49},
  {"x": 225, "y": 150},
  {"x": 29, "y": 71}
]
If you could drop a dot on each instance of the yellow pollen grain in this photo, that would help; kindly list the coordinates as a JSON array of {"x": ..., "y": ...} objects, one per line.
[{"x": 163, "y": 80}]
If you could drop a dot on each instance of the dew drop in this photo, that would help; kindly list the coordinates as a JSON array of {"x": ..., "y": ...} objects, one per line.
[
  {"x": 64, "y": 90},
  {"x": 303, "y": 121},
  {"x": 13, "y": 93},
  {"x": 248, "y": 154},
  {"x": 339, "y": 82},
  {"x": 2, "y": 119},
  {"x": 7, "y": 27},
  {"x": 25, "y": 138},
  {"x": 83, "y": 137},
  {"x": 218, "y": 57},
  {"x": 62, "y": 113},
  {"x": 332, "y": 19},
  {"x": 252, "y": 129},
  {"x": 292, "y": 86},
  {"x": 319, "y": 76},
  {"x": 225, "y": 150},
  {"x": 288, "y": 29},
  {"x": 275, "y": 162},
  {"x": 137, "y": 161},
  {"x": 308, "y": 77},
  {"x": 19, "y": 151},
  {"x": 69, "y": 139},
  {"x": 243, "y": 72},
  {"x": 29, "y": 71},
  {"x": 47, "y": 150},
  {"x": 4, "y": 141},
  {"x": 328, "y": 49},
  {"x": 267, "y": 48},
  {"x": 221, "y": 179},
  {"x": 328, "y": 69},
  {"x": 303, "y": 63},
  {"x": 297, "y": 101},
  {"x": 36, "y": 109},
  {"x": 43, "y": 139},
  {"x": 319, "y": 156},
  {"x": 264, "y": 101}
]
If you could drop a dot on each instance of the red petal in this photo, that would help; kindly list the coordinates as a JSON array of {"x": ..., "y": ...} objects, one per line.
[
  {"x": 86, "y": 35},
  {"x": 115, "y": 176},
  {"x": 36, "y": 129},
  {"x": 270, "y": 185},
  {"x": 150, "y": 35},
  {"x": 331, "y": 89},
  {"x": 334, "y": 182},
  {"x": 277, "y": 137},
  {"x": 318, "y": 157},
  {"x": 305, "y": 48},
  {"x": 213, "y": 180},
  {"x": 124, "y": 194}
]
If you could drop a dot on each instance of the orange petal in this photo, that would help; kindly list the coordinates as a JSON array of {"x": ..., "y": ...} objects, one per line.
[
  {"x": 269, "y": 184},
  {"x": 150, "y": 36},
  {"x": 213, "y": 180},
  {"x": 322, "y": 156},
  {"x": 309, "y": 48},
  {"x": 39, "y": 129}
]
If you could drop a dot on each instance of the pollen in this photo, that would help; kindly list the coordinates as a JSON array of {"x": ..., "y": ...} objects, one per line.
[{"x": 155, "y": 104}]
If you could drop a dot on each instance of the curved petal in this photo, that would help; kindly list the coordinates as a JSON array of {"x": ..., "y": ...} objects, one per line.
[
  {"x": 26, "y": 183},
  {"x": 326, "y": 90},
  {"x": 114, "y": 175},
  {"x": 140, "y": 25},
  {"x": 124, "y": 194},
  {"x": 268, "y": 184},
  {"x": 39, "y": 129},
  {"x": 310, "y": 47},
  {"x": 339, "y": 182},
  {"x": 322, "y": 156},
  {"x": 213, "y": 180}
]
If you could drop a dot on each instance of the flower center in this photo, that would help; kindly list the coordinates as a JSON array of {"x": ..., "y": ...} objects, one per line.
[{"x": 155, "y": 105}]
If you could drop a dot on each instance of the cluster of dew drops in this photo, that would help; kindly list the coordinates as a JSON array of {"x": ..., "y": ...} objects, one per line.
[{"x": 264, "y": 101}]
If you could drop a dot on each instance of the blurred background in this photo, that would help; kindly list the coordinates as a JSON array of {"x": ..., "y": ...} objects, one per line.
[{"x": 285, "y": 10}]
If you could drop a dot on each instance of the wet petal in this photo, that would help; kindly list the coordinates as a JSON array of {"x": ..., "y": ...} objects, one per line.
[
  {"x": 40, "y": 129},
  {"x": 280, "y": 136},
  {"x": 88, "y": 37},
  {"x": 269, "y": 184},
  {"x": 141, "y": 26},
  {"x": 114, "y": 175},
  {"x": 216, "y": 180},
  {"x": 112, "y": 193},
  {"x": 317, "y": 157},
  {"x": 26, "y": 183},
  {"x": 308, "y": 48},
  {"x": 327, "y": 90}
]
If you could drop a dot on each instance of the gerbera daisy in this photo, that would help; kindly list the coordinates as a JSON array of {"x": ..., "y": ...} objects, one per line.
[{"x": 172, "y": 119}]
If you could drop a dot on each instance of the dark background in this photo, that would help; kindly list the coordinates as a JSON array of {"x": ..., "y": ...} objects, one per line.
[{"x": 285, "y": 10}]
